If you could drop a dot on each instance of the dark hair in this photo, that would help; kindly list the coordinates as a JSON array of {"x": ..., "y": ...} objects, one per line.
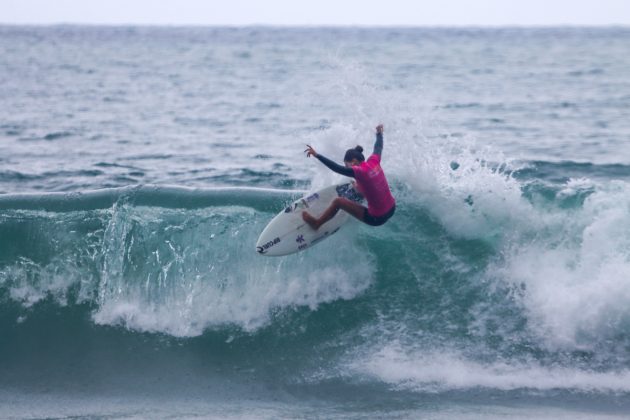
[{"x": 356, "y": 153}]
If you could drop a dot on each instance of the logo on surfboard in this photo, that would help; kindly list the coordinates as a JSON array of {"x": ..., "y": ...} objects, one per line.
[{"x": 262, "y": 249}]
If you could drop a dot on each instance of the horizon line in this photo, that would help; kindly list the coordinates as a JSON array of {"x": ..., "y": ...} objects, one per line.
[{"x": 322, "y": 25}]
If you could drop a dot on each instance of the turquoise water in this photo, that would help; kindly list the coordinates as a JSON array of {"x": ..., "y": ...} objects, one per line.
[{"x": 138, "y": 166}]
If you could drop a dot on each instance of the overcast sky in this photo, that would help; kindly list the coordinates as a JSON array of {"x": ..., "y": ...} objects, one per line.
[{"x": 318, "y": 12}]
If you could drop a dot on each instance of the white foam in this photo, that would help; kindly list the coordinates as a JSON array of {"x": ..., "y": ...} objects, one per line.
[
  {"x": 448, "y": 370},
  {"x": 29, "y": 282},
  {"x": 575, "y": 278},
  {"x": 248, "y": 305}
]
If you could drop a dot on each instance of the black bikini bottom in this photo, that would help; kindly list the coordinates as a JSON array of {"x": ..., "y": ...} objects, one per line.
[{"x": 377, "y": 220}]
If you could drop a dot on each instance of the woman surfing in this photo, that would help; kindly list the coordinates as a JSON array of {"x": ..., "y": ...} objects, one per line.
[{"x": 370, "y": 181}]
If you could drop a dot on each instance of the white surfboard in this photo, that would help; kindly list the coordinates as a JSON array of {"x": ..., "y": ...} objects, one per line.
[{"x": 287, "y": 233}]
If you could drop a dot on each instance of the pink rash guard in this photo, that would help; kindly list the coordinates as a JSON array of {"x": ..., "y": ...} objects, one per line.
[{"x": 373, "y": 185}]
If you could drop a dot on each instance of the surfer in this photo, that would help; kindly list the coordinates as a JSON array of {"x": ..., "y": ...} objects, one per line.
[{"x": 370, "y": 181}]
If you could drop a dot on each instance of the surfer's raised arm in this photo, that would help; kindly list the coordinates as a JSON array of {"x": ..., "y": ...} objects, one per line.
[
  {"x": 335, "y": 167},
  {"x": 378, "y": 145}
]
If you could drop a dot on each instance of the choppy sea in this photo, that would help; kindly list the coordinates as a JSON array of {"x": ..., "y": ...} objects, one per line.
[{"x": 138, "y": 166}]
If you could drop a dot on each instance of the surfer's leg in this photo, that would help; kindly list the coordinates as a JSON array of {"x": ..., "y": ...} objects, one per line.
[{"x": 349, "y": 206}]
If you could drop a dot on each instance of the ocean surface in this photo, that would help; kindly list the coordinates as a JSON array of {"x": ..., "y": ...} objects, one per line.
[{"x": 138, "y": 165}]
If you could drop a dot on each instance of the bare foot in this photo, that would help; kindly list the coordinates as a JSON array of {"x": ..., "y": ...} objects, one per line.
[{"x": 312, "y": 222}]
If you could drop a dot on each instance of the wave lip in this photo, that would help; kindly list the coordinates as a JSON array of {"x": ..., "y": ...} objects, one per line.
[{"x": 148, "y": 195}]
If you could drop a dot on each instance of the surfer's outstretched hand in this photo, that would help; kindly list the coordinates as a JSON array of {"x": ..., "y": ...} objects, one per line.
[
  {"x": 310, "y": 151},
  {"x": 379, "y": 129}
]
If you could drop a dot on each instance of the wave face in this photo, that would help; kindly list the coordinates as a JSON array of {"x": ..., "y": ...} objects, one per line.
[{"x": 521, "y": 287}]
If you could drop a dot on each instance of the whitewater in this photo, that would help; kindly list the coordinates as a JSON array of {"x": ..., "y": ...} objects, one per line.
[{"x": 138, "y": 165}]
